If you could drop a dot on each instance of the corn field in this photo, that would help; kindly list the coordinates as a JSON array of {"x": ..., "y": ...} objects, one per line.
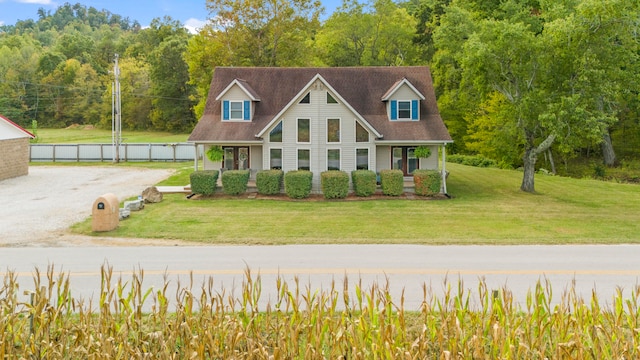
[{"x": 197, "y": 322}]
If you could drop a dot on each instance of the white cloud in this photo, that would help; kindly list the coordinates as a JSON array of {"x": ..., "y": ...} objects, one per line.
[
  {"x": 41, "y": 2},
  {"x": 193, "y": 25},
  {"x": 1, "y": 22}
]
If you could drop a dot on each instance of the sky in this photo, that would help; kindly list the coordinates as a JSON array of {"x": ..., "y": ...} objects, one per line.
[{"x": 192, "y": 13}]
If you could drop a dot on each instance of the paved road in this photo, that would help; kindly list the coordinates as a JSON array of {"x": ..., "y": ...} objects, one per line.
[{"x": 408, "y": 267}]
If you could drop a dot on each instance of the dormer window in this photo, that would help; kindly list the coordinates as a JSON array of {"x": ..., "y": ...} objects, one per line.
[
  {"x": 404, "y": 110},
  {"x": 236, "y": 110}
]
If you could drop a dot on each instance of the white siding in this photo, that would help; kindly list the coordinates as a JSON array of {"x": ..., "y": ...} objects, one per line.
[
  {"x": 430, "y": 163},
  {"x": 383, "y": 158},
  {"x": 255, "y": 160},
  {"x": 318, "y": 111}
]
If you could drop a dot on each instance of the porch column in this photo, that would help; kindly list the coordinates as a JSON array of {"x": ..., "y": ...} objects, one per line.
[
  {"x": 195, "y": 159},
  {"x": 444, "y": 168}
]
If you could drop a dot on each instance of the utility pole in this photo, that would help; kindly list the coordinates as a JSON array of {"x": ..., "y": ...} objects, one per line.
[{"x": 116, "y": 118}]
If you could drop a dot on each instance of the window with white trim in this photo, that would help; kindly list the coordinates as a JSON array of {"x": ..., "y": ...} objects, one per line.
[
  {"x": 275, "y": 159},
  {"x": 362, "y": 159},
  {"x": 304, "y": 130},
  {"x": 362, "y": 135},
  {"x": 333, "y": 130},
  {"x": 304, "y": 159},
  {"x": 275, "y": 135},
  {"x": 333, "y": 159},
  {"x": 236, "y": 110},
  {"x": 404, "y": 110}
]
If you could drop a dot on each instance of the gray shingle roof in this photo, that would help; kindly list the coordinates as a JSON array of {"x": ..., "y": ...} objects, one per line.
[{"x": 361, "y": 87}]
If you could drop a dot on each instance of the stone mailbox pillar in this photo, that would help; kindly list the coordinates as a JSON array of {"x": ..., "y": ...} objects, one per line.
[{"x": 105, "y": 213}]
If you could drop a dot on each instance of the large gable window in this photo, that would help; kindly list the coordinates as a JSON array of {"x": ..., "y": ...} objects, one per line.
[
  {"x": 362, "y": 135},
  {"x": 362, "y": 159},
  {"x": 275, "y": 135},
  {"x": 333, "y": 130},
  {"x": 236, "y": 110},
  {"x": 304, "y": 159},
  {"x": 275, "y": 159},
  {"x": 304, "y": 130},
  {"x": 404, "y": 110},
  {"x": 331, "y": 99},
  {"x": 333, "y": 159}
]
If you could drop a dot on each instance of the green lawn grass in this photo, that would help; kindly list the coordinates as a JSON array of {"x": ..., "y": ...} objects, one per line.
[
  {"x": 487, "y": 208},
  {"x": 90, "y": 135}
]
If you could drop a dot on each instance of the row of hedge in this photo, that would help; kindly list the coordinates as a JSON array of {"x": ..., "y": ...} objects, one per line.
[{"x": 297, "y": 184}]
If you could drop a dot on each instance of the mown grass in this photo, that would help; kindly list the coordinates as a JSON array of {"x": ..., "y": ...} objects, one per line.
[
  {"x": 487, "y": 208},
  {"x": 91, "y": 135},
  {"x": 200, "y": 322}
]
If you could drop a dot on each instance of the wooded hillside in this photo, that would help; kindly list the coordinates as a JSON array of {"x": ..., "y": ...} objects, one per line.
[{"x": 524, "y": 82}]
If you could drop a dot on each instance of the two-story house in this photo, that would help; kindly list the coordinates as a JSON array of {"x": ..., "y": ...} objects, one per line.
[{"x": 322, "y": 119}]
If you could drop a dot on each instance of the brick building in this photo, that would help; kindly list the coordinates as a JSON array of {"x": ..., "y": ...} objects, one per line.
[{"x": 14, "y": 149}]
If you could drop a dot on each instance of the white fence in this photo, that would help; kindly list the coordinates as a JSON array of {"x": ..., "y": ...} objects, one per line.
[{"x": 105, "y": 152}]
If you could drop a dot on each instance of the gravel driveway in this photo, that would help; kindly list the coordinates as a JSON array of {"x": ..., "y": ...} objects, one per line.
[{"x": 37, "y": 209}]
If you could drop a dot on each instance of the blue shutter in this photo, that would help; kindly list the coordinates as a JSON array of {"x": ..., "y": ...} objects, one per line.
[
  {"x": 225, "y": 110},
  {"x": 414, "y": 109},
  {"x": 394, "y": 110},
  {"x": 247, "y": 110}
]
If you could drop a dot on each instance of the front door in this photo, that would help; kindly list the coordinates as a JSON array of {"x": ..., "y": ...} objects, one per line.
[
  {"x": 236, "y": 158},
  {"x": 403, "y": 158}
]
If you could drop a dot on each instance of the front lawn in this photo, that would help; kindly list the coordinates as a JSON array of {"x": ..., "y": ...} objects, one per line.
[{"x": 487, "y": 208}]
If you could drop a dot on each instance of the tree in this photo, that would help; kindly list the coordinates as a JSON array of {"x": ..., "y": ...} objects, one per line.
[
  {"x": 18, "y": 63},
  {"x": 172, "y": 104},
  {"x": 266, "y": 33},
  {"x": 377, "y": 33},
  {"x": 205, "y": 50},
  {"x": 455, "y": 101},
  {"x": 427, "y": 14},
  {"x": 553, "y": 80}
]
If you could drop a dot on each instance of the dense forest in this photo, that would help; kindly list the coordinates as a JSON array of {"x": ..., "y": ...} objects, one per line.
[{"x": 517, "y": 80}]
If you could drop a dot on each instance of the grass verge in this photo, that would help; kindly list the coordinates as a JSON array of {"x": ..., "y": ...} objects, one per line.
[
  {"x": 91, "y": 135},
  {"x": 487, "y": 208}
]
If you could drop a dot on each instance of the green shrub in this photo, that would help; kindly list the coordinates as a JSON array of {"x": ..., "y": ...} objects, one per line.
[
  {"x": 335, "y": 184},
  {"x": 364, "y": 182},
  {"x": 427, "y": 182},
  {"x": 297, "y": 183},
  {"x": 472, "y": 160},
  {"x": 392, "y": 182},
  {"x": 203, "y": 181},
  {"x": 422, "y": 152},
  {"x": 269, "y": 182},
  {"x": 234, "y": 182}
]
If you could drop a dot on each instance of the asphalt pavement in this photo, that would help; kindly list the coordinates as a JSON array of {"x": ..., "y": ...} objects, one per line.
[{"x": 407, "y": 269}]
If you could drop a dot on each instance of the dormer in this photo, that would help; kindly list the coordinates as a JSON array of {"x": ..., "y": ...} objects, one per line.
[
  {"x": 403, "y": 101},
  {"x": 238, "y": 101}
]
